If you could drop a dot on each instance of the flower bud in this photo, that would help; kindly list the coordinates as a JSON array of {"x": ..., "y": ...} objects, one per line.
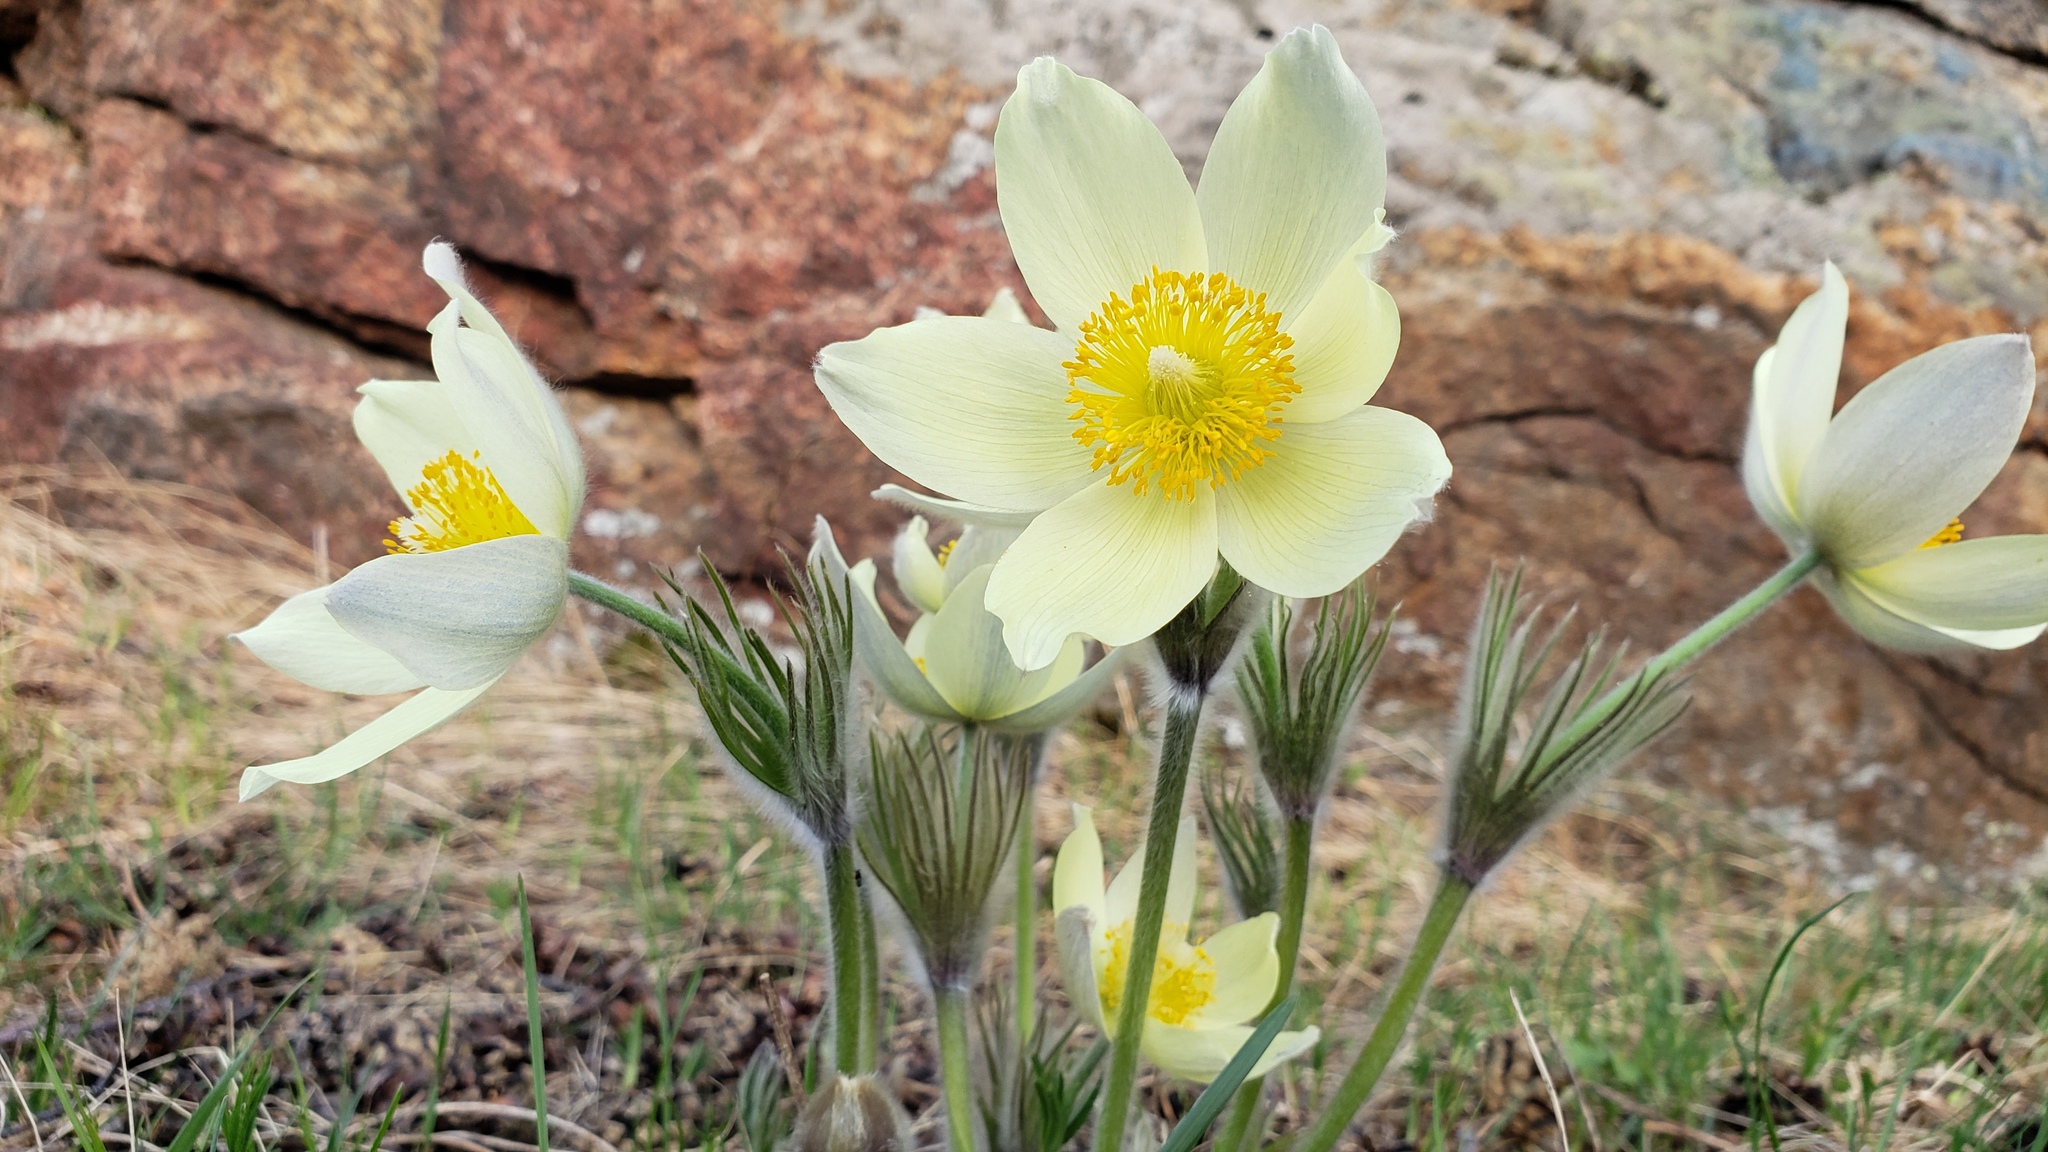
[{"x": 852, "y": 1114}]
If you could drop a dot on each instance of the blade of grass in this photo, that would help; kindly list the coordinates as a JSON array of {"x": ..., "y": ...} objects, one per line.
[
  {"x": 1210, "y": 1103},
  {"x": 200, "y": 1122},
  {"x": 433, "y": 1109},
  {"x": 536, "y": 1054},
  {"x": 1760, "y": 1076}
]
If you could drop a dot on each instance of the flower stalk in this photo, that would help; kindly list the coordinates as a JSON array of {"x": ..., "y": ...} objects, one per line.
[{"x": 955, "y": 1072}]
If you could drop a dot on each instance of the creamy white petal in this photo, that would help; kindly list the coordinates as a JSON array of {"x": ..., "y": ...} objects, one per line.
[
  {"x": 916, "y": 570},
  {"x": 458, "y": 618},
  {"x": 1091, "y": 196},
  {"x": 975, "y": 408},
  {"x": 302, "y": 640},
  {"x": 958, "y": 511},
  {"x": 1104, "y": 563},
  {"x": 1331, "y": 500},
  {"x": 1911, "y": 451},
  {"x": 516, "y": 452},
  {"x": 1181, "y": 883},
  {"x": 1759, "y": 477},
  {"x": 976, "y": 545},
  {"x": 893, "y": 668},
  {"x": 407, "y": 425},
  {"x": 413, "y": 717},
  {"x": 1004, "y": 306},
  {"x": 1296, "y": 174},
  {"x": 965, "y": 659},
  {"x": 499, "y": 367},
  {"x": 1074, "y": 936},
  {"x": 1876, "y": 623},
  {"x": 1247, "y": 970},
  {"x": 1077, "y": 871},
  {"x": 1997, "y": 639},
  {"x": 1993, "y": 584},
  {"x": 1199, "y": 1054},
  {"x": 1794, "y": 387},
  {"x": 1055, "y": 710},
  {"x": 1344, "y": 343}
]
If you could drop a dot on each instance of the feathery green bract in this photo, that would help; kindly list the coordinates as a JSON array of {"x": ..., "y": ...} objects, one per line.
[
  {"x": 757, "y": 1100},
  {"x": 1243, "y": 834},
  {"x": 1298, "y": 722},
  {"x": 1493, "y": 805},
  {"x": 937, "y": 830},
  {"x": 785, "y": 725}
]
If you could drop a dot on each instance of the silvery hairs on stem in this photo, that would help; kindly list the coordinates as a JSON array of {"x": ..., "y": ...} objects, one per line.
[
  {"x": 788, "y": 726},
  {"x": 1298, "y": 721},
  {"x": 936, "y": 828},
  {"x": 1575, "y": 737}
]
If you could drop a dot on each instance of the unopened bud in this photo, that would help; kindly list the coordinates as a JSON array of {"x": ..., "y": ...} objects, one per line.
[{"x": 852, "y": 1114}]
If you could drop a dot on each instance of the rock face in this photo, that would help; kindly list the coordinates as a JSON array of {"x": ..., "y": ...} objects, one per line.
[{"x": 211, "y": 214}]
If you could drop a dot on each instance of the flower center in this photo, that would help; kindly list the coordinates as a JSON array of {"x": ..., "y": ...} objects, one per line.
[
  {"x": 1948, "y": 535},
  {"x": 1181, "y": 385},
  {"x": 1183, "y": 976},
  {"x": 457, "y": 502}
]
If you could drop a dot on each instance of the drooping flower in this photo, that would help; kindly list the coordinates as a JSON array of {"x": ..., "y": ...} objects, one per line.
[
  {"x": 1202, "y": 994},
  {"x": 492, "y": 479},
  {"x": 1205, "y": 390},
  {"x": 1879, "y": 488},
  {"x": 952, "y": 666}
]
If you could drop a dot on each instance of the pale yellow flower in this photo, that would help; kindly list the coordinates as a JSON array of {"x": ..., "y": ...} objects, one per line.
[
  {"x": 1878, "y": 488},
  {"x": 952, "y": 666},
  {"x": 1205, "y": 390},
  {"x": 1202, "y": 994},
  {"x": 490, "y": 471}
]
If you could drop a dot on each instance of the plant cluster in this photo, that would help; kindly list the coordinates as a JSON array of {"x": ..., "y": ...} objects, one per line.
[{"x": 1154, "y": 481}]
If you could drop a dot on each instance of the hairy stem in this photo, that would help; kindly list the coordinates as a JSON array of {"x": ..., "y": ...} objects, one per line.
[
  {"x": 1176, "y": 752},
  {"x": 1694, "y": 643},
  {"x": 1237, "y": 1134},
  {"x": 646, "y": 615},
  {"x": 954, "y": 1075},
  {"x": 1437, "y": 925},
  {"x": 870, "y": 980},
  {"x": 1026, "y": 964},
  {"x": 842, "y": 898}
]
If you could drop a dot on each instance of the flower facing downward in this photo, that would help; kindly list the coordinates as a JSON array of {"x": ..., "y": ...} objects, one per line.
[
  {"x": 492, "y": 478},
  {"x": 1205, "y": 390},
  {"x": 1202, "y": 994},
  {"x": 952, "y": 666},
  {"x": 1878, "y": 488}
]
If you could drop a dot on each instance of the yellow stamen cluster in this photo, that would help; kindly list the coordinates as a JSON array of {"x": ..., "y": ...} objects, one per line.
[
  {"x": 946, "y": 551},
  {"x": 1181, "y": 385},
  {"x": 1948, "y": 535},
  {"x": 456, "y": 503},
  {"x": 1183, "y": 977}
]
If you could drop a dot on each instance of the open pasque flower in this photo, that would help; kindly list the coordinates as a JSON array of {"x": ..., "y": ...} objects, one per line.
[
  {"x": 1878, "y": 488},
  {"x": 490, "y": 472},
  {"x": 953, "y": 666},
  {"x": 1202, "y": 994},
  {"x": 1205, "y": 389}
]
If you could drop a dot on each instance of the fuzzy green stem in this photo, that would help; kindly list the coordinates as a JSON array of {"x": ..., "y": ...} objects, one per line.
[
  {"x": 1026, "y": 964},
  {"x": 1176, "y": 752},
  {"x": 1695, "y": 643},
  {"x": 1237, "y": 1134},
  {"x": 842, "y": 901},
  {"x": 870, "y": 979},
  {"x": 954, "y": 1075},
  {"x": 1437, "y": 925},
  {"x": 645, "y": 615}
]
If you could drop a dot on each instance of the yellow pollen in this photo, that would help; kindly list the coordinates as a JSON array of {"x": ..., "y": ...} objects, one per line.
[
  {"x": 457, "y": 502},
  {"x": 1948, "y": 535},
  {"x": 1183, "y": 977},
  {"x": 946, "y": 551},
  {"x": 1181, "y": 385}
]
